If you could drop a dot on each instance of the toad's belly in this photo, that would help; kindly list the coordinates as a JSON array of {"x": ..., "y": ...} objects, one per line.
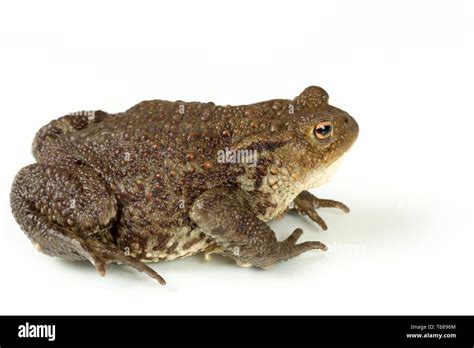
[{"x": 171, "y": 245}]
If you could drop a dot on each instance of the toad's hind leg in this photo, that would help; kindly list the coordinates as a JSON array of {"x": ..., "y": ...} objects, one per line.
[
  {"x": 69, "y": 213},
  {"x": 224, "y": 215}
]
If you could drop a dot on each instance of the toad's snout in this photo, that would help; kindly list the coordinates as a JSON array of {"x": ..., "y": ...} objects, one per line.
[{"x": 351, "y": 128}]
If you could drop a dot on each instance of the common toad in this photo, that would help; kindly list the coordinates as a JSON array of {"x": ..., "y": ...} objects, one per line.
[{"x": 165, "y": 180}]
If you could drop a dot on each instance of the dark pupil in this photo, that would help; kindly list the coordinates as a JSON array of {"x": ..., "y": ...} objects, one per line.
[{"x": 324, "y": 130}]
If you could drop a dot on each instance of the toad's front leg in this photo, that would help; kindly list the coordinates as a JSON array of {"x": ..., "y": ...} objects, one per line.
[
  {"x": 225, "y": 216},
  {"x": 306, "y": 204}
]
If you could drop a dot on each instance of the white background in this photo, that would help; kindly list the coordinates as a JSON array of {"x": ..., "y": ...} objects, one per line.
[{"x": 403, "y": 69}]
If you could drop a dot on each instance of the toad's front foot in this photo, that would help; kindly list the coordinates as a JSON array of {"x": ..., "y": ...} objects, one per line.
[{"x": 306, "y": 204}]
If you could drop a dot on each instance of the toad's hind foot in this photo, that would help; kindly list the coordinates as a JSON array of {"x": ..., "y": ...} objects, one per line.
[
  {"x": 100, "y": 254},
  {"x": 306, "y": 204}
]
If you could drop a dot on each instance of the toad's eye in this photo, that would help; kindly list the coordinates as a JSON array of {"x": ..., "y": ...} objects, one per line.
[{"x": 323, "y": 130}]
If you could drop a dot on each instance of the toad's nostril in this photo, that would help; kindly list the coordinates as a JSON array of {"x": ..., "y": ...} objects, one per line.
[{"x": 346, "y": 120}]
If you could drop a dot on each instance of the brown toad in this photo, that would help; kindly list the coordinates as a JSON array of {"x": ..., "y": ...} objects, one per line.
[{"x": 165, "y": 180}]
